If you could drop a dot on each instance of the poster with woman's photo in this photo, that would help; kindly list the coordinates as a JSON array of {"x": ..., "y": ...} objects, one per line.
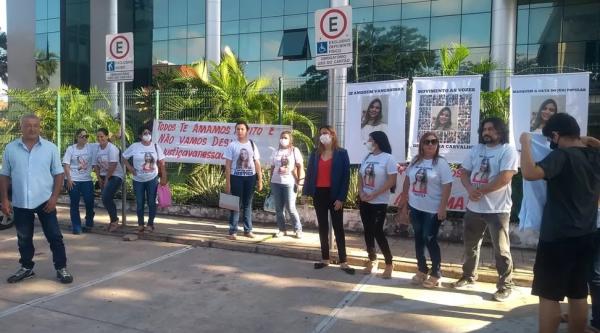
[
  {"x": 449, "y": 107},
  {"x": 536, "y": 98},
  {"x": 375, "y": 106}
]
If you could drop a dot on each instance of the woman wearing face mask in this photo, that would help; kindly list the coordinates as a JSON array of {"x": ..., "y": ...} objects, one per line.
[
  {"x": 109, "y": 171},
  {"x": 77, "y": 163},
  {"x": 374, "y": 198},
  {"x": 287, "y": 177},
  {"x": 148, "y": 161},
  {"x": 327, "y": 181}
]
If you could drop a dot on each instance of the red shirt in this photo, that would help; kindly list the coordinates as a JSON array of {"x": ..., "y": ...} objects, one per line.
[{"x": 324, "y": 173}]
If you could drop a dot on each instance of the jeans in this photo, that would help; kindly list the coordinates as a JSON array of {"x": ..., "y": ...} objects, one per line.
[
  {"x": 373, "y": 219},
  {"x": 475, "y": 225},
  {"x": 85, "y": 189},
  {"x": 426, "y": 227},
  {"x": 323, "y": 205},
  {"x": 24, "y": 224},
  {"x": 594, "y": 284},
  {"x": 108, "y": 193},
  {"x": 243, "y": 187},
  {"x": 145, "y": 192},
  {"x": 285, "y": 197}
]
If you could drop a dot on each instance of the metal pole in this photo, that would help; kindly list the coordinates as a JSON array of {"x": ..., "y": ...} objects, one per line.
[
  {"x": 157, "y": 106},
  {"x": 58, "y": 121},
  {"x": 280, "y": 100},
  {"x": 123, "y": 145}
]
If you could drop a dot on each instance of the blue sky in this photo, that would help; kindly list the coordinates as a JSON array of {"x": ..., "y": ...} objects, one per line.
[{"x": 3, "y": 14}]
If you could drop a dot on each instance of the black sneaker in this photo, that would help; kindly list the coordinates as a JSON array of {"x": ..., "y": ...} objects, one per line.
[
  {"x": 502, "y": 295},
  {"x": 64, "y": 276},
  {"x": 20, "y": 275},
  {"x": 86, "y": 229},
  {"x": 463, "y": 283}
]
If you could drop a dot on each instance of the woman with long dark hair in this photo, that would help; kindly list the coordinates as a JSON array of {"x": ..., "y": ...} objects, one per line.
[
  {"x": 443, "y": 121},
  {"x": 375, "y": 196},
  {"x": 546, "y": 110}
]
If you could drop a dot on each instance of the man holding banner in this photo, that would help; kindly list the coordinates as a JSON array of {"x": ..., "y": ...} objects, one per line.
[{"x": 487, "y": 175}]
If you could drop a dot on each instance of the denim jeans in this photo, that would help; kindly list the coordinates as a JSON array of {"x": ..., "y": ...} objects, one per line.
[
  {"x": 475, "y": 225},
  {"x": 85, "y": 189},
  {"x": 145, "y": 192},
  {"x": 324, "y": 205},
  {"x": 595, "y": 284},
  {"x": 108, "y": 194},
  {"x": 373, "y": 219},
  {"x": 426, "y": 227},
  {"x": 243, "y": 187},
  {"x": 285, "y": 198},
  {"x": 24, "y": 219}
]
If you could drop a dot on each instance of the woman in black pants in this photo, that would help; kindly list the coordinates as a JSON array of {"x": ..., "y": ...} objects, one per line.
[
  {"x": 377, "y": 176},
  {"x": 327, "y": 181}
]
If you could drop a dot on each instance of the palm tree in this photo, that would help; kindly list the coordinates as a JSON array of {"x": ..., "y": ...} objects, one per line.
[{"x": 46, "y": 65}]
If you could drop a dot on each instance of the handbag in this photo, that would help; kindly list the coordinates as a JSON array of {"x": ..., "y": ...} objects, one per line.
[
  {"x": 229, "y": 201},
  {"x": 163, "y": 194},
  {"x": 269, "y": 205}
]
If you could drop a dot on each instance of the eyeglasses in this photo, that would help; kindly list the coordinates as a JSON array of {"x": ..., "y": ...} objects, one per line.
[
  {"x": 84, "y": 136},
  {"x": 432, "y": 142}
]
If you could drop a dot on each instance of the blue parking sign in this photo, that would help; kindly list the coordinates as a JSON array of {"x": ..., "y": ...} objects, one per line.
[{"x": 321, "y": 47}]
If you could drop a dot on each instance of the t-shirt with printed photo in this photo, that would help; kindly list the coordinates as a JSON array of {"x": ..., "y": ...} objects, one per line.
[
  {"x": 284, "y": 162},
  {"x": 484, "y": 164},
  {"x": 144, "y": 160},
  {"x": 80, "y": 162},
  {"x": 242, "y": 157},
  {"x": 374, "y": 171},
  {"x": 110, "y": 154},
  {"x": 425, "y": 184}
]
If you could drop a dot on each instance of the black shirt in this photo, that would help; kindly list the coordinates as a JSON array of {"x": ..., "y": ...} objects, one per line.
[{"x": 573, "y": 176}]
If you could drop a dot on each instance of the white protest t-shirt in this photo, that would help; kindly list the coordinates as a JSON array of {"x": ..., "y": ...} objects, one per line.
[
  {"x": 145, "y": 159},
  {"x": 534, "y": 192},
  {"x": 242, "y": 156},
  {"x": 485, "y": 164},
  {"x": 104, "y": 157},
  {"x": 284, "y": 162},
  {"x": 425, "y": 184},
  {"x": 80, "y": 162},
  {"x": 368, "y": 129},
  {"x": 374, "y": 171}
]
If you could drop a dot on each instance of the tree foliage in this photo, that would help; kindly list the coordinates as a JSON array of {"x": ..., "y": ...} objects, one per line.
[{"x": 3, "y": 58}]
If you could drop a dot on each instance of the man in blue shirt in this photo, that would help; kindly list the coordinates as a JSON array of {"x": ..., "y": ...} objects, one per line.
[{"x": 33, "y": 168}]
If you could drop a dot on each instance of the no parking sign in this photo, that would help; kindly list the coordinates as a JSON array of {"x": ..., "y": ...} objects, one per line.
[{"x": 333, "y": 35}]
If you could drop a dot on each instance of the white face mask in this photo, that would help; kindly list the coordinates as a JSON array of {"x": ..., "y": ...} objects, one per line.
[
  {"x": 370, "y": 146},
  {"x": 284, "y": 142},
  {"x": 325, "y": 139},
  {"x": 147, "y": 137}
]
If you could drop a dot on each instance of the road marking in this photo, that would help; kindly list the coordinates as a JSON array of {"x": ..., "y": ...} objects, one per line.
[
  {"x": 91, "y": 283},
  {"x": 328, "y": 322}
]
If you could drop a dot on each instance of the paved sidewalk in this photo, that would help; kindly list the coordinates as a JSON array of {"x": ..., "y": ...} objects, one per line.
[{"x": 211, "y": 233}]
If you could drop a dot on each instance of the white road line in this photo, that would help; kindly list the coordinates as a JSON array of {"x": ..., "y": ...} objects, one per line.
[
  {"x": 105, "y": 278},
  {"x": 328, "y": 322}
]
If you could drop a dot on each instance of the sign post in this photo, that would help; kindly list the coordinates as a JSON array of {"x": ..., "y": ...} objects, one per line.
[
  {"x": 333, "y": 30},
  {"x": 119, "y": 68}
]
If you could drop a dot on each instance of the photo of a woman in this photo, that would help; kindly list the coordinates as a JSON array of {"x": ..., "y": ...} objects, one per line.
[
  {"x": 372, "y": 119},
  {"x": 482, "y": 176},
  {"x": 243, "y": 161},
  {"x": 369, "y": 178},
  {"x": 420, "y": 183},
  {"x": 443, "y": 121},
  {"x": 548, "y": 108},
  {"x": 148, "y": 163}
]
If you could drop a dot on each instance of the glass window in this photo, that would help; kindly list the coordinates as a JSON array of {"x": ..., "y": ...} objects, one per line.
[
  {"x": 362, "y": 15},
  {"x": 387, "y": 13},
  {"x": 195, "y": 50},
  {"x": 178, "y": 51},
  {"x": 522, "y": 26},
  {"x": 251, "y": 25},
  {"x": 198, "y": 30},
  {"x": 272, "y": 23},
  {"x": 445, "y": 30},
  {"x": 41, "y": 43},
  {"x": 547, "y": 54},
  {"x": 521, "y": 57},
  {"x": 160, "y": 13},
  {"x": 476, "y": 6},
  {"x": 581, "y": 22},
  {"x": 178, "y": 32},
  {"x": 269, "y": 45},
  {"x": 414, "y": 10},
  {"x": 575, "y": 53},
  {"x": 382, "y": 29},
  {"x": 230, "y": 28},
  {"x": 360, "y": 3},
  {"x": 249, "y": 9},
  {"x": 177, "y": 12},
  {"x": 296, "y": 7},
  {"x": 160, "y": 34},
  {"x": 476, "y": 30},
  {"x": 317, "y": 4},
  {"x": 271, "y": 69},
  {"x": 196, "y": 11},
  {"x": 53, "y": 8},
  {"x": 160, "y": 52},
  {"x": 446, "y": 7},
  {"x": 54, "y": 44},
  {"x": 41, "y": 9},
  {"x": 384, "y": 2},
  {"x": 230, "y": 41},
  {"x": 230, "y": 10},
  {"x": 294, "y": 68},
  {"x": 272, "y": 8},
  {"x": 251, "y": 69},
  {"x": 53, "y": 25},
  {"x": 294, "y": 45},
  {"x": 249, "y": 50},
  {"x": 41, "y": 26},
  {"x": 295, "y": 21},
  {"x": 544, "y": 25},
  {"x": 477, "y": 54},
  {"x": 416, "y": 34}
]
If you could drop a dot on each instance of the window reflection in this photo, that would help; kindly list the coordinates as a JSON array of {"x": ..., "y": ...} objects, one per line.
[
  {"x": 248, "y": 47},
  {"x": 444, "y": 31},
  {"x": 544, "y": 25},
  {"x": 473, "y": 30},
  {"x": 446, "y": 7}
]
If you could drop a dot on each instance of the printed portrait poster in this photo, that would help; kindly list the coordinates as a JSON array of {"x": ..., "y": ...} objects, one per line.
[
  {"x": 375, "y": 106},
  {"x": 535, "y": 98},
  {"x": 448, "y": 106}
]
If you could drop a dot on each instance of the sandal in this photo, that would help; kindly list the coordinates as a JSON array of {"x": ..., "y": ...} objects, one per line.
[
  {"x": 431, "y": 282},
  {"x": 112, "y": 226},
  {"x": 150, "y": 228},
  {"x": 141, "y": 229}
]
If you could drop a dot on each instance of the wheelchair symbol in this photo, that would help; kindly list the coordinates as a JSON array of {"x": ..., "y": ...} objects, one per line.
[{"x": 321, "y": 47}]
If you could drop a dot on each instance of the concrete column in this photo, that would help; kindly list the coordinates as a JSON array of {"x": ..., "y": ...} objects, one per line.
[
  {"x": 103, "y": 21},
  {"x": 20, "y": 15},
  {"x": 336, "y": 94},
  {"x": 213, "y": 31},
  {"x": 504, "y": 36}
]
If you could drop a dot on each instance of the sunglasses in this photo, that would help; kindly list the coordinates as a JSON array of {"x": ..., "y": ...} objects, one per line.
[
  {"x": 432, "y": 142},
  {"x": 84, "y": 136}
]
